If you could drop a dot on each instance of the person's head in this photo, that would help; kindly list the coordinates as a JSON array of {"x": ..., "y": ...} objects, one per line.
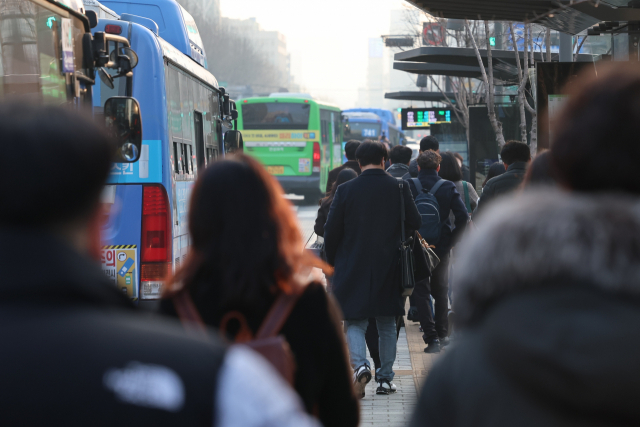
[
  {"x": 429, "y": 160},
  {"x": 371, "y": 154},
  {"x": 515, "y": 151},
  {"x": 344, "y": 176},
  {"x": 350, "y": 149},
  {"x": 53, "y": 167},
  {"x": 429, "y": 143},
  {"x": 539, "y": 172},
  {"x": 449, "y": 167},
  {"x": 459, "y": 158},
  {"x": 595, "y": 138},
  {"x": 495, "y": 169},
  {"x": 245, "y": 239},
  {"x": 400, "y": 154}
]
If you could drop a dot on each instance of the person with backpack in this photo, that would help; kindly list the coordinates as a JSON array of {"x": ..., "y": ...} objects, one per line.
[{"x": 435, "y": 198}]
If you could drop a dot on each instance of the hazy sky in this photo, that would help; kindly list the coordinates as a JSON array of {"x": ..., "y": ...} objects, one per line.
[{"x": 327, "y": 39}]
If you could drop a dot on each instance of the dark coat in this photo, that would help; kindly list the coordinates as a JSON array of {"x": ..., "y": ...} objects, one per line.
[
  {"x": 64, "y": 327},
  {"x": 333, "y": 174},
  {"x": 502, "y": 184},
  {"x": 413, "y": 168},
  {"x": 362, "y": 238},
  {"x": 398, "y": 170},
  {"x": 321, "y": 219},
  {"x": 466, "y": 173},
  {"x": 449, "y": 200}
]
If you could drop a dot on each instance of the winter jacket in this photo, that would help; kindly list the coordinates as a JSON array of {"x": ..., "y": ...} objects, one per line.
[
  {"x": 449, "y": 200},
  {"x": 398, "y": 170},
  {"x": 502, "y": 184},
  {"x": 362, "y": 237},
  {"x": 547, "y": 299},
  {"x": 413, "y": 168},
  {"x": 321, "y": 219},
  {"x": 333, "y": 174}
]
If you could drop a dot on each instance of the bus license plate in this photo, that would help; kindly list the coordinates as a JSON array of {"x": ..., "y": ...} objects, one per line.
[{"x": 275, "y": 170}]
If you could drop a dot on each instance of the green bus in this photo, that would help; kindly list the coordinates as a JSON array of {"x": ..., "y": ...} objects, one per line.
[{"x": 298, "y": 139}]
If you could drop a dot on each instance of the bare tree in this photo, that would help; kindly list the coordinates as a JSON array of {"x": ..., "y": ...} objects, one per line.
[{"x": 488, "y": 81}]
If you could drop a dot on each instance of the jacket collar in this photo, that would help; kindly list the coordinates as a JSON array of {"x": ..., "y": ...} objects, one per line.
[
  {"x": 36, "y": 265},
  {"x": 520, "y": 166},
  {"x": 374, "y": 172},
  {"x": 429, "y": 172},
  {"x": 398, "y": 166}
]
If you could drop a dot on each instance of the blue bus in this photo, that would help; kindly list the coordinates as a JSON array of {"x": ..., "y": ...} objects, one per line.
[
  {"x": 372, "y": 123},
  {"x": 183, "y": 112}
]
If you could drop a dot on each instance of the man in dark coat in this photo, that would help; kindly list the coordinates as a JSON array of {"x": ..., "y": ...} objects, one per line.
[
  {"x": 548, "y": 310},
  {"x": 75, "y": 351},
  {"x": 516, "y": 157},
  {"x": 362, "y": 238},
  {"x": 436, "y": 332},
  {"x": 427, "y": 143},
  {"x": 350, "y": 153}
]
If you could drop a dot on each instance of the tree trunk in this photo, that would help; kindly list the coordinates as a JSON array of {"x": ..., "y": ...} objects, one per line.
[
  {"x": 548, "y": 43},
  {"x": 523, "y": 115},
  {"x": 488, "y": 82}
]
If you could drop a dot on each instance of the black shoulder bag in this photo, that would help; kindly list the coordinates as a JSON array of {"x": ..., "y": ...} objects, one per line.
[{"x": 407, "y": 280}]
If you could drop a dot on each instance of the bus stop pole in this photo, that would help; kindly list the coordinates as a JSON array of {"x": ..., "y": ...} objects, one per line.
[{"x": 566, "y": 47}]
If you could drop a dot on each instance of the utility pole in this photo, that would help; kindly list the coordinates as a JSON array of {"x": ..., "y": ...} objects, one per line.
[{"x": 566, "y": 47}]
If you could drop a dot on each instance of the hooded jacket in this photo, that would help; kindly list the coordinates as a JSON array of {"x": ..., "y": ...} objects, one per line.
[{"x": 548, "y": 302}]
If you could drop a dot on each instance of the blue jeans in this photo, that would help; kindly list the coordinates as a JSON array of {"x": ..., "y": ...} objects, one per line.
[{"x": 387, "y": 343}]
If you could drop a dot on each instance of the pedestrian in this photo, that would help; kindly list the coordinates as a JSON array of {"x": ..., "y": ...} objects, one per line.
[
  {"x": 436, "y": 329},
  {"x": 76, "y": 352},
  {"x": 362, "y": 237},
  {"x": 495, "y": 169},
  {"x": 466, "y": 173},
  {"x": 539, "y": 173},
  {"x": 429, "y": 142},
  {"x": 350, "y": 153},
  {"x": 450, "y": 170},
  {"x": 516, "y": 157},
  {"x": 344, "y": 176},
  {"x": 548, "y": 300},
  {"x": 246, "y": 250},
  {"x": 400, "y": 157}
]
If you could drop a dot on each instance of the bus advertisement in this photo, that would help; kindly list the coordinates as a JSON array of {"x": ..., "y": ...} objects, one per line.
[
  {"x": 298, "y": 139},
  {"x": 146, "y": 235}
]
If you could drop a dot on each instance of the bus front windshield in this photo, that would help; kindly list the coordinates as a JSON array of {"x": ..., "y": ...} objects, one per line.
[
  {"x": 363, "y": 130},
  {"x": 275, "y": 115},
  {"x": 32, "y": 48}
]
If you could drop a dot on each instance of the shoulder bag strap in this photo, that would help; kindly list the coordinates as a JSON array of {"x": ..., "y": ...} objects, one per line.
[
  {"x": 437, "y": 186},
  {"x": 277, "y": 315},
  {"x": 466, "y": 196},
  {"x": 401, "y": 186},
  {"x": 417, "y": 183}
]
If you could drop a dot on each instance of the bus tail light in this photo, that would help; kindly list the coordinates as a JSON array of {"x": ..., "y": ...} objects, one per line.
[
  {"x": 113, "y": 29},
  {"x": 155, "y": 250},
  {"x": 316, "y": 157}
]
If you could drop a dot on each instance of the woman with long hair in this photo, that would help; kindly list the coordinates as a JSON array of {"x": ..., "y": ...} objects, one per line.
[
  {"x": 450, "y": 170},
  {"x": 495, "y": 169},
  {"x": 246, "y": 251}
]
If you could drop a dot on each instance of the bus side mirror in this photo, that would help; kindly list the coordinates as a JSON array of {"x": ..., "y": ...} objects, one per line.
[
  {"x": 124, "y": 124},
  {"x": 233, "y": 141},
  {"x": 226, "y": 105}
]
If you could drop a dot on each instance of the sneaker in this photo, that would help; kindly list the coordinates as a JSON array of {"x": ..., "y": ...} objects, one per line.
[
  {"x": 386, "y": 387},
  {"x": 433, "y": 346},
  {"x": 361, "y": 378},
  {"x": 444, "y": 341}
]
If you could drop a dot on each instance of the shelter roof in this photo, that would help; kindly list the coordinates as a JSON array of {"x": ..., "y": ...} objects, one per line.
[{"x": 420, "y": 96}]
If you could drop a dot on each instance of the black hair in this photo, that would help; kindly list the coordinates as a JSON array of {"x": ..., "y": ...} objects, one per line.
[
  {"x": 539, "y": 172},
  {"x": 371, "y": 153},
  {"x": 350, "y": 149},
  {"x": 495, "y": 169},
  {"x": 595, "y": 140},
  {"x": 345, "y": 175},
  {"x": 515, "y": 151},
  {"x": 429, "y": 159},
  {"x": 54, "y": 164},
  {"x": 400, "y": 154},
  {"x": 449, "y": 167},
  {"x": 429, "y": 143}
]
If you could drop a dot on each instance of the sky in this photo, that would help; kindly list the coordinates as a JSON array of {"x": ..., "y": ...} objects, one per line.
[{"x": 328, "y": 39}]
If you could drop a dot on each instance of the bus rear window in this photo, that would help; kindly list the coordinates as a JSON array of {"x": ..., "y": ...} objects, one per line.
[
  {"x": 360, "y": 130},
  {"x": 275, "y": 115}
]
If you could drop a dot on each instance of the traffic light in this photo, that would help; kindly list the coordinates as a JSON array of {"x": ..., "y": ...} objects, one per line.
[{"x": 492, "y": 41}]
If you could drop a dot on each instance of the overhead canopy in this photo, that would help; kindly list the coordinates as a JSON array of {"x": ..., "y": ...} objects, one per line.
[
  {"x": 420, "y": 96},
  {"x": 499, "y": 73},
  {"x": 569, "y": 16}
]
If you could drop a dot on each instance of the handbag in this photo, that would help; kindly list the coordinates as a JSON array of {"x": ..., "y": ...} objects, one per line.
[
  {"x": 407, "y": 278},
  {"x": 425, "y": 257},
  {"x": 266, "y": 341}
]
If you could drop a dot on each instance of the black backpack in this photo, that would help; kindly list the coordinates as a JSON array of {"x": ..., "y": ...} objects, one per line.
[{"x": 429, "y": 209}]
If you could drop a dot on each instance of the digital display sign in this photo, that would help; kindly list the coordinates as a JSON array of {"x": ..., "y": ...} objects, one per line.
[{"x": 423, "y": 118}]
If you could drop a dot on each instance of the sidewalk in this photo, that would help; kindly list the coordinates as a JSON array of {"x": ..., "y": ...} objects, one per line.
[{"x": 411, "y": 367}]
